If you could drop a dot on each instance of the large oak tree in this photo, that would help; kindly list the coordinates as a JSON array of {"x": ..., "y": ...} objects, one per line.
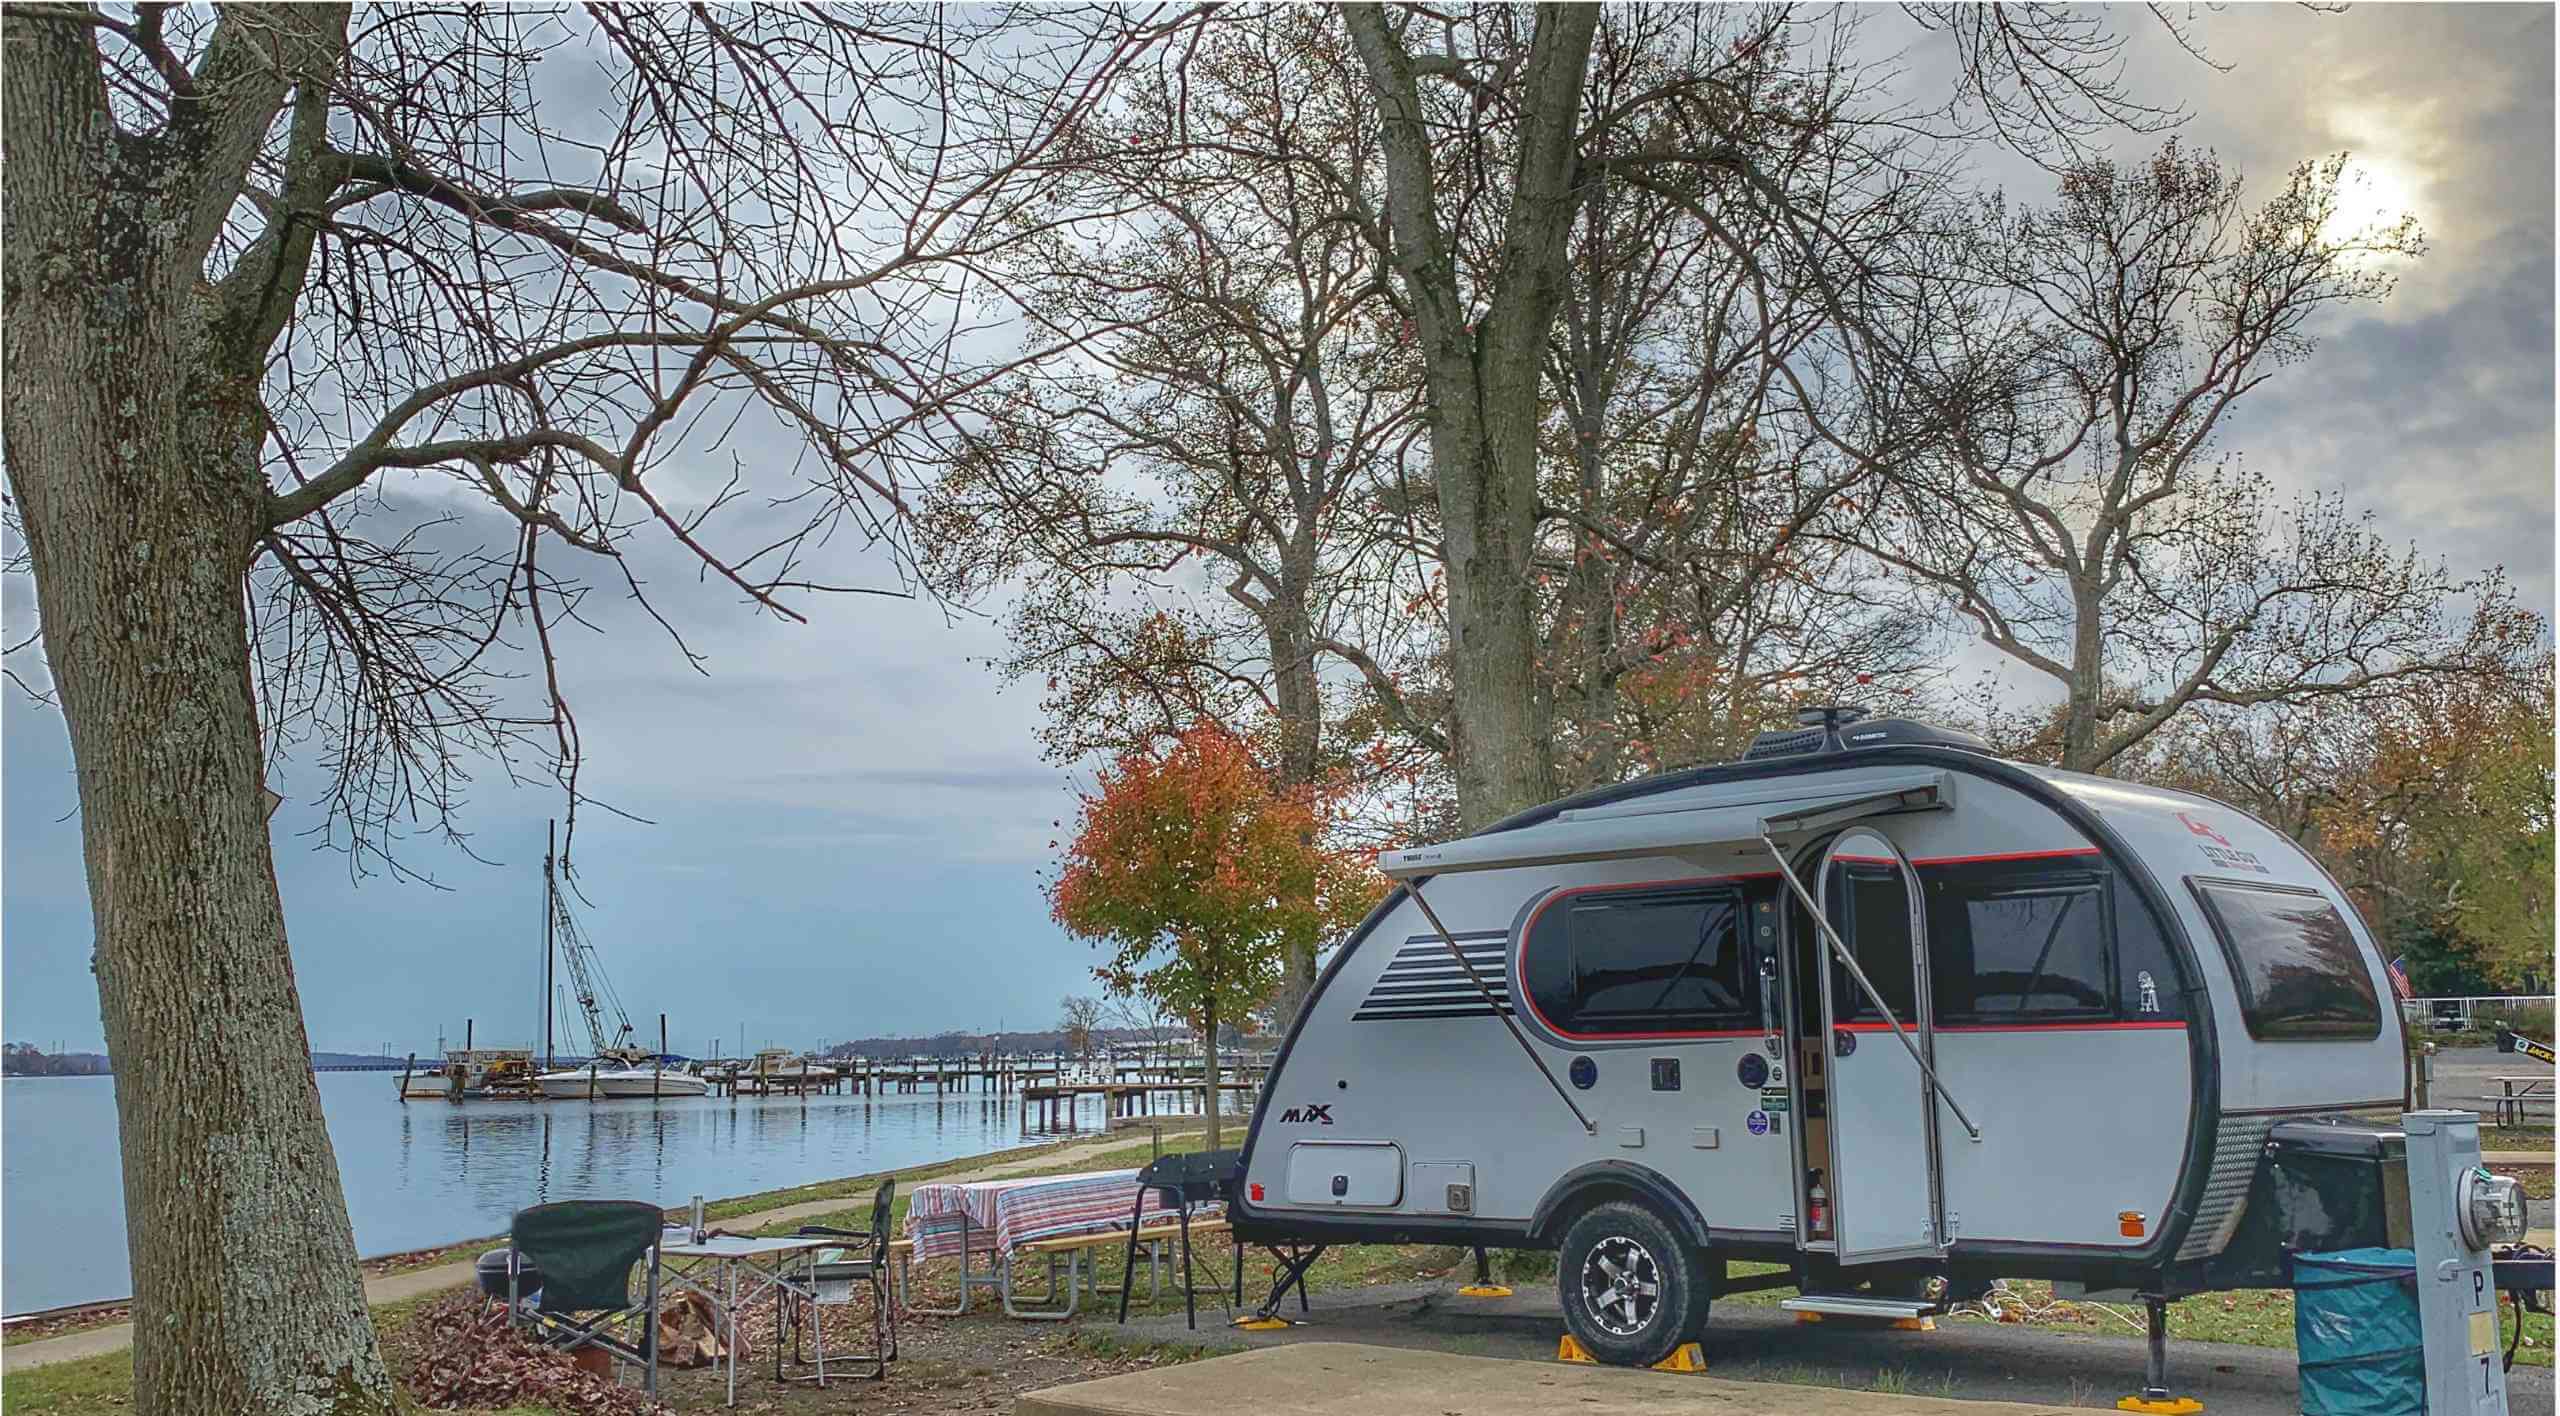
[{"x": 282, "y": 282}]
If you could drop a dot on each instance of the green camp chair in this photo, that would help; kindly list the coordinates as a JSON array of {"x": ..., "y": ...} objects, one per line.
[
  {"x": 584, "y": 1251},
  {"x": 838, "y": 1276}
]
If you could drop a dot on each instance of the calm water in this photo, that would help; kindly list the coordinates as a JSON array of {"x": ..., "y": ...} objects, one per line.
[{"x": 432, "y": 1172}]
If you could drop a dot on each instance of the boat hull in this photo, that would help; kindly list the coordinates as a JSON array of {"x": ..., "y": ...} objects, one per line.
[{"x": 620, "y": 1085}]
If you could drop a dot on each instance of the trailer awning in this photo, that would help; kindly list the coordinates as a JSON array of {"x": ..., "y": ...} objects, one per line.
[{"x": 1636, "y": 829}]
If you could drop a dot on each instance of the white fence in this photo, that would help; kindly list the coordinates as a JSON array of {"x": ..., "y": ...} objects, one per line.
[{"x": 2456, "y": 1014}]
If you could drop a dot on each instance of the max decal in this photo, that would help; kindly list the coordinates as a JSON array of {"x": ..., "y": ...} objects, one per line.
[{"x": 1308, "y": 1115}]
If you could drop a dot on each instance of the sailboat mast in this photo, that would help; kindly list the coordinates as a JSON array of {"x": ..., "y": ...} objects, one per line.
[{"x": 549, "y": 910}]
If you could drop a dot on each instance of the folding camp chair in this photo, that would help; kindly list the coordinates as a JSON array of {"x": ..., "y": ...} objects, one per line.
[
  {"x": 837, "y": 1276},
  {"x": 1180, "y": 1182},
  {"x": 584, "y": 1251}
]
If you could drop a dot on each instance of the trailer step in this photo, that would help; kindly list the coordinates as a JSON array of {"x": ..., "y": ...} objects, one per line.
[{"x": 1859, "y": 1305}]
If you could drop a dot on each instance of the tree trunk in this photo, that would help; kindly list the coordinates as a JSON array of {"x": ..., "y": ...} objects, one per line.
[
  {"x": 134, "y": 460},
  {"x": 1209, "y": 1074},
  {"x": 2088, "y": 684},
  {"x": 1301, "y": 699},
  {"x": 1485, "y": 390}
]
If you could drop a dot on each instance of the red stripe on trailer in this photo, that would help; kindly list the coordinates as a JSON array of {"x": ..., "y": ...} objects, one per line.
[
  {"x": 2159, "y": 1024},
  {"x": 2008, "y": 855},
  {"x": 2017, "y": 1027}
]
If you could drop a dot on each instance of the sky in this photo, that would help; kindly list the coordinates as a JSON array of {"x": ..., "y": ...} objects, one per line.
[{"x": 846, "y": 820}]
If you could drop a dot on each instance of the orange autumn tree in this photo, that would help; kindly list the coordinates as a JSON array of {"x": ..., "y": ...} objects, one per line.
[{"x": 1199, "y": 877}]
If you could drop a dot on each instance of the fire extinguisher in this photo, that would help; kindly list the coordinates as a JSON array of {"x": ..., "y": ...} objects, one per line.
[{"x": 1818, "y": 1207}]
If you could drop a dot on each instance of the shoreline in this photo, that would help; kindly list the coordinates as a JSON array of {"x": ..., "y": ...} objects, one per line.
[{"x": 73, "y": 1317}]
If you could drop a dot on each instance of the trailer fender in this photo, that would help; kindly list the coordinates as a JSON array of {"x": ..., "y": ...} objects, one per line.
[{"x": 1587, "y": 1185}]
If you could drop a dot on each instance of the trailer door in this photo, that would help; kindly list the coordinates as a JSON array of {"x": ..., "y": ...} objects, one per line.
[{"x": 1885, "y": 1198}]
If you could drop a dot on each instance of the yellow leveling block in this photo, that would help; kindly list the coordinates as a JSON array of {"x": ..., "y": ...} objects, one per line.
[
  {"x": 1250, "y": 1324},
  {"x": 1897, "y": 1324},
  {"x": 1484, "y": 1290},
  {"x": 2174, "y": 1406},
  {"x": 1687, "y": 1357}
]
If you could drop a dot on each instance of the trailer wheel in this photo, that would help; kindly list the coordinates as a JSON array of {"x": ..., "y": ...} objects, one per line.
[{"x": 1633, "y": 1289}]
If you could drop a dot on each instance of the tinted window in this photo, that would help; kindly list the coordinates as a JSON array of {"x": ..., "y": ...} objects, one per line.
[
  {"x": 2017, "y": 947},
  {"x": 1643, "y": 961},
  {"x": 2299, "y": 971},
  {"x": 1873, "y": 912}
]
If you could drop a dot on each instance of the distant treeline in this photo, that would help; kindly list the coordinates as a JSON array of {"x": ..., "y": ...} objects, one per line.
[
  {"x": 968, "y": 1044},
  {"x": 25, "y": 1059}
]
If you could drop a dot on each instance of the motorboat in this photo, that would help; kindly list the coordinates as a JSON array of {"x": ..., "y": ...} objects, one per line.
[
  {"x": 778, "y": 1069},
  {"x": 615, "y": 1078}
]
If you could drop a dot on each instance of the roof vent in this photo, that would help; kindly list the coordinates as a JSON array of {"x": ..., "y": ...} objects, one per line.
[
  {"x": 1819, "y": 732},
  {"x": 1831, "y": 727},
  {"x": 1900, "y": 732}
]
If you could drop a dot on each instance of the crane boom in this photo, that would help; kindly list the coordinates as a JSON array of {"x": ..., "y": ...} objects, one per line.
[{"x": 590, "y": 988}]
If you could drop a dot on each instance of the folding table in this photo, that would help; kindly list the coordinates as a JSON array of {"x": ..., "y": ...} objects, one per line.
[{"x": 714, "y": 1266}]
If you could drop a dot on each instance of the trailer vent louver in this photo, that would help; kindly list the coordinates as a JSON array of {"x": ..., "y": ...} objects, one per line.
[
  {"x": 1793, "y": 742},
  {"x": 1422, "y": 981}
]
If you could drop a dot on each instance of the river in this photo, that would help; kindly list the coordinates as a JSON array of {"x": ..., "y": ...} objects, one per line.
[{"x": 432, "y": 1172}]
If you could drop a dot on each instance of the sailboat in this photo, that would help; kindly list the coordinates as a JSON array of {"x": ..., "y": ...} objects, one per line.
[{"x": 619, "y": 1069}]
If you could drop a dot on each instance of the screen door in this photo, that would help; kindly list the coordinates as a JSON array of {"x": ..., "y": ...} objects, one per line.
[{"x": 1883, "y": 1134}]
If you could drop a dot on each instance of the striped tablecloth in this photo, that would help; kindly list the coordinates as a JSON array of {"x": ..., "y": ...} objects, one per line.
[{"x": 1005, "y": 1214}]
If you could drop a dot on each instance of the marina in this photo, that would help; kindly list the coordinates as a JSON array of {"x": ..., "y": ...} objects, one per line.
[{"x": 421, "y": 1173}]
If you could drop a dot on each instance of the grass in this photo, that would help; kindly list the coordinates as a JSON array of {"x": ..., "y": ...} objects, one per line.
[
  {"x": 1111, "y": 1346},
  {"x": 2536, "y": 1179},
  {"x": 2253, "y": 1317},
  {"x": 103, "y": 1385}
]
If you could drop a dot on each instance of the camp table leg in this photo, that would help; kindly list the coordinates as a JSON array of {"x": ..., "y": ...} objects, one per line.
[{"x": 652, "y": 1384}]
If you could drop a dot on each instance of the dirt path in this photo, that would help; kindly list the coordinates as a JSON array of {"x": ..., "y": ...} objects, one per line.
[{"x": 412, "y": 1283}]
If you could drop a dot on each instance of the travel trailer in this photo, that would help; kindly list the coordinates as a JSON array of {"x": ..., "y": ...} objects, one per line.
[{"x": 1872, "y": 1003}]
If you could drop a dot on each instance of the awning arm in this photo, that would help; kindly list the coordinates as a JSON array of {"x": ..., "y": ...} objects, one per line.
[
  {"x": 1840, "y": 950},
  {"x": 1414, "y": 889}
]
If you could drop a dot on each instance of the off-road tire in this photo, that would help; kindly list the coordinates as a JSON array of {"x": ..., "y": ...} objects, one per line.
[{"x": 1613, "y": 1253}]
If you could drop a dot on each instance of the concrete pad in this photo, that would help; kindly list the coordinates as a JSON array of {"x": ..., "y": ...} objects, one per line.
[{"x": 1351, "y": 1379}]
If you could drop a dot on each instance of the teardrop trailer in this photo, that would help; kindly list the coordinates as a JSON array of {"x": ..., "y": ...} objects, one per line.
[{"x": 1873, "y": 1004}]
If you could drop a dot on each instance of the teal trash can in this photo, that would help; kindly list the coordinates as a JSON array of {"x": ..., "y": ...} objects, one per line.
[{"x": 2355, "y": 1324}]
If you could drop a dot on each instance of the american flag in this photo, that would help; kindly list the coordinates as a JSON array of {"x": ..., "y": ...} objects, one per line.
[{"x": 2400, "y": 979}]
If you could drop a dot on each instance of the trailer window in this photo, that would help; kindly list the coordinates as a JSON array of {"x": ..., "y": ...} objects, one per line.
[
  {"x": 2300, "y": 975},
  {"x": 1618, "y": 962},
  {"x": 2013, "y": 948},
  {"x": 1872, "y": 910}
]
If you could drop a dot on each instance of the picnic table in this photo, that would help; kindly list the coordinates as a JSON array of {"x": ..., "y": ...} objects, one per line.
[
  {"x": 2517, "y": 1095},
  {"x": 714, "y": 1266},
  {"x": 999, "y": 1219}
]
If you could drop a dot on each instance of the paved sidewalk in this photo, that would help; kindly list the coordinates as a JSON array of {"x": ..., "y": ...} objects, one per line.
[
  {"x": 413, "y": 1283},
  {"x": 1350, "y": 1379},
  {"x": 1753, "y": 1344}
]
